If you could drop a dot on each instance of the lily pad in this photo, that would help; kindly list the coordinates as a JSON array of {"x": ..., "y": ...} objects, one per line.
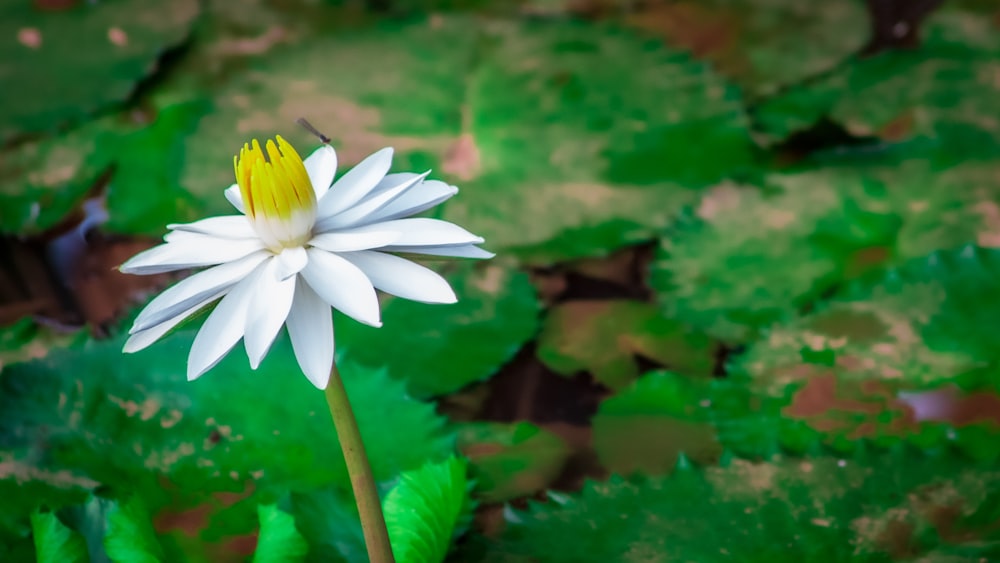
[
  {"x": 86, "y": 417},
  {"x": 864, "y": 508},
  {"x": 44, "y": 182},
  {"x": 745, "y": 258},
  {"x": 646, "y": 427},
  {"x": 827, "y": 410},
  {"x": 763, "y": 46},
  {"x": 508, "y": 461},
  {"x": 438, "y": 349},
  {"x": 924, "y": 323},
  {"x": 103, "y": 50},
  {"x": 943, "y": 90},
  {"x": 606, "y": 337}
]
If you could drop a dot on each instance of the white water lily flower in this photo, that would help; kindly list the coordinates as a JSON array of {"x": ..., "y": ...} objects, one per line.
[{"x": 300, "y": 247}]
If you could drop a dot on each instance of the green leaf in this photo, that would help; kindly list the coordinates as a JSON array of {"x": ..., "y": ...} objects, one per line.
[
  {"x": 763, "y": 45},
  {"x": 130, "y": 536},
  {"x": 133, "y": 420},
  {"x": 646, "y": 427},
  {"x": 508, "y": 461},
  {"x": 279, "y": 540},
  {"x": 439, "y": 349},
  {"x": 606, "y": 337},
  {"x": 145, "y": 194},
  {"x": 866, "y": 508},
  {"x": 55, "y": 542},
  {"x": 42, "y": 181},
  {"x": 922, "y": 323},
  {"x": 429, "y": 508},
  {"x": 747, "y": 258},
  {"x": 328, "y": 520},
  {"x": 937, "y": 91},
  {"x": 109, "y": 46}
]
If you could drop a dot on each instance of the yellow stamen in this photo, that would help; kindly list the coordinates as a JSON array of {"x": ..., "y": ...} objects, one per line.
[{"x": 277, "y": 194}]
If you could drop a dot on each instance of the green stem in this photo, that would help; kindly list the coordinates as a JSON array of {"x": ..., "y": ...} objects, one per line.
[{"x": 362, "y": 480}]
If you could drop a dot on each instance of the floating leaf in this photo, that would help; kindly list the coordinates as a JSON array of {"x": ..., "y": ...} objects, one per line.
[
  {"x": 428, "y": 509},
  {"x": 42, "y": 181},
  {"x": 438, "y": 349},
  {"x": 55, "y": 542},
  {"x": 866, "y": 508},
  {"x": 944, "y": 89},
  {"x": 746, "y": 258},
  {"x": 923, "y": 323},
  {"x": 648, "y": 425},
  {"x": 101, "y": 50},
  {"x": 113, "y": 419},
  {"x": 279, "y": 540},
  {"x": 764, "y": 46},
  {"x": 606, "y": 337},
  {"x": 511, "y": 460}
]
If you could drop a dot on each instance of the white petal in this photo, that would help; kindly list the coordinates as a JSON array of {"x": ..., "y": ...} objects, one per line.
[
  {"x": 383, "y": 194},
  {"x": 401, "y": 277},
  {"x": 144, "y": 338},
  {"x": 196, "y": 289},
  {"x": 342, "y": 241},
  {"x": 228, "y": 226},
  {"x": 273, "y": 300},
  {"x": 235, "y": 197},
  {"x": 395, "y": 179},
  {"x": 190, "y": 253},
  {"x": 455, "y": 250},
  {"x": 321, "y": 166},
  {"x": 342, "y": 285},
  {"x": 310, "y": 327},
  {"x": 356, "y": 184},
  {"x": 419, "y": 198},
  {"x": 422, "y": 231},
  {"x": 291, "y": 261},
  {"x": 224, "y": 327}
]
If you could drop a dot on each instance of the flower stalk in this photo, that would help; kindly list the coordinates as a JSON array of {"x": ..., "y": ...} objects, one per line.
[{"x": 362, "y": 479}]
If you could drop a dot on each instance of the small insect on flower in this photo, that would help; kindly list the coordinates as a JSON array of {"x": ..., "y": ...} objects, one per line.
[{"x": 301, "y": 245}]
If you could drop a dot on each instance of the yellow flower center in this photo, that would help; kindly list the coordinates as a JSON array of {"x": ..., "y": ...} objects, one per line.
[{"x": 278, "y": 197}]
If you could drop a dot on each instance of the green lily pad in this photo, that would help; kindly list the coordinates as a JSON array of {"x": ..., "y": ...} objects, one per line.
[
  {"x": 438, "y": 349},
  {"x": 646, "y": 427},
  {"x": 605, "y": 337},
  {"x": 744, "y": 258},
  {"x": 942, "y": 90},
  {"x": 101, "y": 50},
  {"x": 865, "y": 508},
  {"x": 109, "y": 419},
  {"x": 508, "y": 461},
  {"x": 923, "y": 323},
  {"x": 763, "y": 46},
  {"x": 44, "y": 182}
]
